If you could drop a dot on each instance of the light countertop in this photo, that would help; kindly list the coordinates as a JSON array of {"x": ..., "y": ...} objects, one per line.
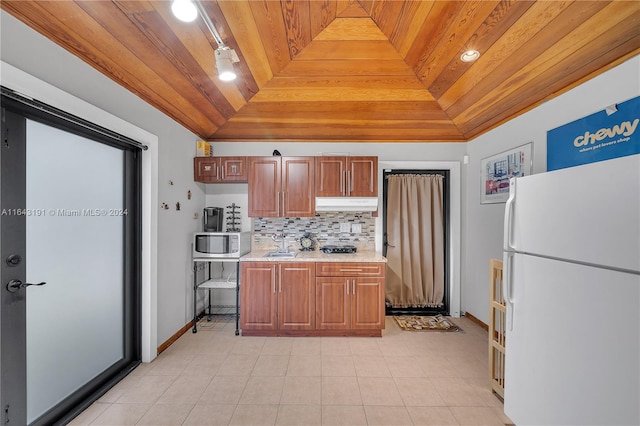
[{"x": 315, "y": 256}]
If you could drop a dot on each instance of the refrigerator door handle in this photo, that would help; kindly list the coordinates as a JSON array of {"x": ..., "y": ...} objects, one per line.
[
  {"x": 506, "y": 288},
  {"x": 508, "y": 214}
]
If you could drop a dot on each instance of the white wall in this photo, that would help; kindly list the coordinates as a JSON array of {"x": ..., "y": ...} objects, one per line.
[
  {"x": 30, "y": 52},
  {"x": 484, "y": 222}
]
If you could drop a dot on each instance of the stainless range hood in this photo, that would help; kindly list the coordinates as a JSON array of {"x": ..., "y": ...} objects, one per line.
[{"x": 346, "y": 204}]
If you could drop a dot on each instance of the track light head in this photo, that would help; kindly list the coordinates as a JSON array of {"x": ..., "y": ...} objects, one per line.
[
  {"x": 184, "y": 10},
  {"x": 225, "y": 58}
]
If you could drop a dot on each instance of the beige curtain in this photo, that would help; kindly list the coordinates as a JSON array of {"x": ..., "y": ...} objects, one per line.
[{"x": 415, "y": 236}]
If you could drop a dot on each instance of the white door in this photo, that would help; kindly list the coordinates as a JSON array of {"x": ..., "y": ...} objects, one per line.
[
  {"x": 589, "y": 214},
  {"x": 572, "y": 353}
]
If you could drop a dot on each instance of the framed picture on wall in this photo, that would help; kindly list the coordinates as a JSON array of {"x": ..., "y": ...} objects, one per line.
[{"x": 495, "y": 172}]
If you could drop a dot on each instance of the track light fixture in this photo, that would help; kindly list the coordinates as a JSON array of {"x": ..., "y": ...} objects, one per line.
[
  {"x": 225, "y": 58},
  {"x": 187, "y": 11}
]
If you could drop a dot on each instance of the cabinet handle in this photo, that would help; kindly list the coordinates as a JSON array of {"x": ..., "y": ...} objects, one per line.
[
  {"x": 350, "y": 270},
  {"x": 273, "y": 279},
  {"x": 342, "y": 183},
  {"x": 348, "y": 284},
  {"x": 278, "y": 203},
  {"x": 283, "y": 203},
  {"x": 346, "y": 183},
  {"x": 223, "y": 172},
  {"x": 354, "y": 287}
]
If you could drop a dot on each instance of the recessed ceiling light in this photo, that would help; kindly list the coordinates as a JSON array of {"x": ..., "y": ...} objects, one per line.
[
  {"x": 470, "y": 56},
  {"x": 184, "y": 10}
]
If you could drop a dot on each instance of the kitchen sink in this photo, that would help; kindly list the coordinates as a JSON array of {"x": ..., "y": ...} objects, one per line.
[{"x": 281, "y": 254}]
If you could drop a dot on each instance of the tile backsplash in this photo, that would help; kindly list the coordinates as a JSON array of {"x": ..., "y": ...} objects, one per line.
[{"x": 325, "y": 228}]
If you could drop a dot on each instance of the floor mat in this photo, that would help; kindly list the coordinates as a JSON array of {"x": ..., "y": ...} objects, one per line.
[{"x": 426, "y": 323}]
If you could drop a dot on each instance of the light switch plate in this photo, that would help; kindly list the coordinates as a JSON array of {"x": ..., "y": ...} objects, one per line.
[
  {"x": 356, "y": 228},
  {"x": 345, "y": 227}
]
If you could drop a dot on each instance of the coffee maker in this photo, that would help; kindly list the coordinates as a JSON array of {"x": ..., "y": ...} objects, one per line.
[{"x": 212, "y": 219}]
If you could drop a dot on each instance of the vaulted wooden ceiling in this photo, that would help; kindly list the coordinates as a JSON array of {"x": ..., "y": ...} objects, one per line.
[{"x": 344, "y": 70}]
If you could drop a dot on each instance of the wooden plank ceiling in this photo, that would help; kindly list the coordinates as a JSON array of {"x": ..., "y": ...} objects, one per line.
[{"x": 344, "y": 70}]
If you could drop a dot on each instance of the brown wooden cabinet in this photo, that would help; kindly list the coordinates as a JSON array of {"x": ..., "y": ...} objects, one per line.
[
  {"x": 338, "y": 176},
  {"x": 220, "y": 169},
  {"x": 277, "y": 296},
  {"x": 281, "y": 186},
  {"x": 350, "y": 296},
  {"x": 296, "y": 296},
  {"x": 258, "y": 297}
]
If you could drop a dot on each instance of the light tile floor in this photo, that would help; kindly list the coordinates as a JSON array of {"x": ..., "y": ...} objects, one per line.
[{"x": 216, "y": 378}]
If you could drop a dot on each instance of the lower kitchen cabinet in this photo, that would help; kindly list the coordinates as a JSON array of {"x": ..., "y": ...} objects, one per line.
[
  {"x": 312, "y": 299},
  {"x": 350, "y": 296},
  {"x": 277, "y": 297}
]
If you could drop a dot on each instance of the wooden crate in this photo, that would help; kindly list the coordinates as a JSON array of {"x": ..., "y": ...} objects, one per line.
[{"x": 497, "y": 326}]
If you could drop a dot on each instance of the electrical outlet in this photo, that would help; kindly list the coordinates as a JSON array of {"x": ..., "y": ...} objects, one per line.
[
  {"x": 356, "y": 228},
  {"x": 345, "y": 227}
]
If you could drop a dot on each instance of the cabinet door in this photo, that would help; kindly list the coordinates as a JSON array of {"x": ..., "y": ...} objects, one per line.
[
  {"x": 367, "y": 303},
  {"x": 363, "y": 177},
  {"x": 296, "y": 296},
  {"x": 233, "y": 169},
  {"x": 298, "y": 190},
  {"x": 331, "y": 176},
  {"x": 264, "y": 186},
  {"x": 333, "y": 307},
  {"x": 258, "y": 297},
  {"x": 206, "y": 169}
]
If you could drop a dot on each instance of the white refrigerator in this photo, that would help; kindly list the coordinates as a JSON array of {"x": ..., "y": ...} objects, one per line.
[{"x": 572, "y": 287}]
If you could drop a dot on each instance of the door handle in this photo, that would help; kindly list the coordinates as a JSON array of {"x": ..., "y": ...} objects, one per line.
[
  {"x": 508, "y": 217},
  {"x": 506, "y": 288},
  {"x": 15, "y": 285}
]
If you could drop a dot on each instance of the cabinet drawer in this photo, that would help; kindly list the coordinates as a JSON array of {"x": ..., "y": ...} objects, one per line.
[{"x": 350, "y": 269}]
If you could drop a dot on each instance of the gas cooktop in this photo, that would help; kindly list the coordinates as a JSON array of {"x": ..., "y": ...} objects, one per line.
[{"x": 346, "y": 248}]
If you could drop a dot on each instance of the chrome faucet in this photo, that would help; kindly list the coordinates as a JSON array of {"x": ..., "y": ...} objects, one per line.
[{"x": 282, "y": 238}]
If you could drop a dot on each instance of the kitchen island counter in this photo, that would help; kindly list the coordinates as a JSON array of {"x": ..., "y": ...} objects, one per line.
[{"x": 315, "y": 256}]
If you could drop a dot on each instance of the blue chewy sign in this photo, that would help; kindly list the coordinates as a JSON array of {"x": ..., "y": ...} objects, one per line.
[{"x": 597, "y": 137}]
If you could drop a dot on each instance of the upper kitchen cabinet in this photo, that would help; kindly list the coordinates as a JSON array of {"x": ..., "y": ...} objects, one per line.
[
  {"x": 220, "y": 169},
  {"x": 281, "y": 186},
  {"x": 338, "y": 176}
]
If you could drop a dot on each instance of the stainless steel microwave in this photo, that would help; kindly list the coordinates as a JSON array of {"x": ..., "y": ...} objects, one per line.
[{"x": 221, "y": 244}]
